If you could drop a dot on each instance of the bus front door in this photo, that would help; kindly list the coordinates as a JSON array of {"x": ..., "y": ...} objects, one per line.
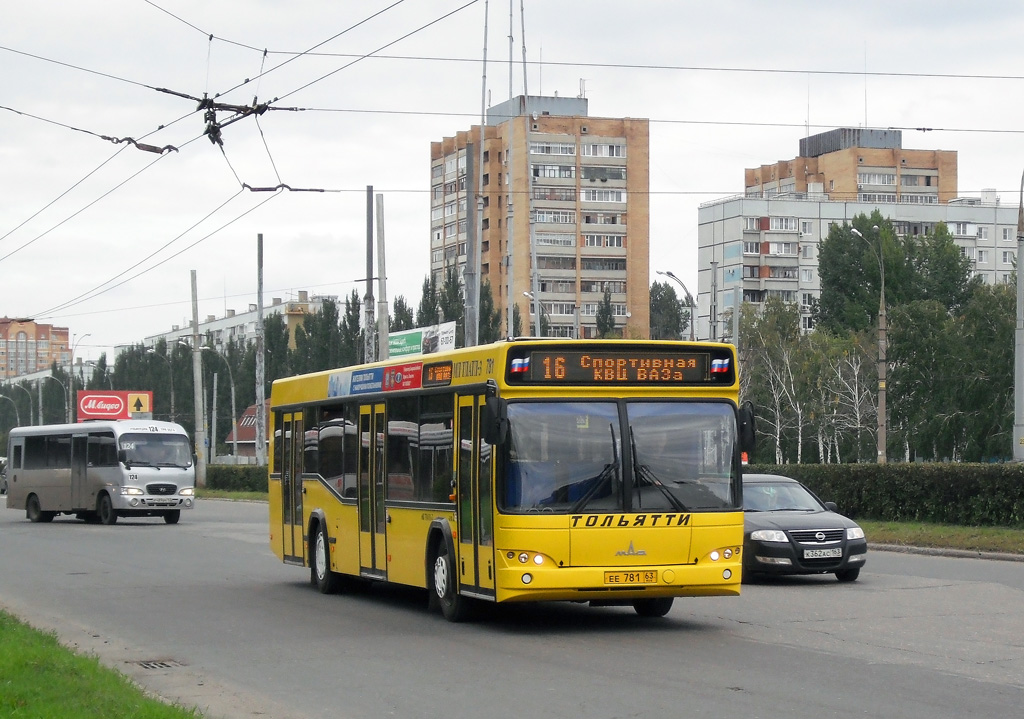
[
  {"x": 475, "y": 516},
  {"x": 79, "y": 464},
  {"x": 291, "y": 488},
  {"x": 372, "y": 513}
]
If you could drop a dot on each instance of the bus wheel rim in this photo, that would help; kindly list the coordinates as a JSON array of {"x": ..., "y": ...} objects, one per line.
[
  {"x": 321, "y": 559},
  {"x": 440, "y": 577}
]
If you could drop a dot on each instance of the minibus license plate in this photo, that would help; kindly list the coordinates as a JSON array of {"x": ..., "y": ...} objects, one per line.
[{"x": 647, "y": 576}]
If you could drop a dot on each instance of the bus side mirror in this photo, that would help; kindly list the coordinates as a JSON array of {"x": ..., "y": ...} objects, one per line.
[
  {"x": 495, "y": 420},
  {"x": 748, "y": 435},
  {"x": 122, "y": 457}
]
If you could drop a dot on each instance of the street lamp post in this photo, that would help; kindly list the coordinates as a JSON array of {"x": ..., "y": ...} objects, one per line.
[
  {"x": 71, "y": 389},
  {"x": 64, "y": 396},
  {"x": 17, "y": 414},
  {"x": 18, "y": 386},
  {"x": 234, "y": 417},
  {"x": 880, "y": 256},
  {"x": 540, "y": 305},
  {"x": 693, "y": 306},
  {"x": 170, "y": 373}
]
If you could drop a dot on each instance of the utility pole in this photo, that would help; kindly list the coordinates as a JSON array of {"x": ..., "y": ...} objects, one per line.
[
  {"x": 1018, "y": 340},
  {"x": 383, "y": 351},
  {"x": 368, "y": 321},
  {"x": 261, "y": 400},
  {"x": 197, "y": 395}
]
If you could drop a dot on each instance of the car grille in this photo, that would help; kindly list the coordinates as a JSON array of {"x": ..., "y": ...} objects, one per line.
[
  {"x": 809, "y": 536},
  {"x": 161, "y": 489}
]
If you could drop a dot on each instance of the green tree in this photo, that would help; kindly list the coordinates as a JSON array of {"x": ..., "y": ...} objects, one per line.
[
  {"x": 452, "y": 305},
  {"x": 427, "y": 314},
  {"x": 401, "y": 315},
  {"x": 605, "y": 318},
  {"x": 352, "y": 337},
  {"x": 490, "y": 318},
  {"x": 668, "y": 318}
]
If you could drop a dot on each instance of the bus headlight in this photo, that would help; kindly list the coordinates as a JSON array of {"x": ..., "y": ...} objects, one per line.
[
  {"x": 131, "y": 490},
  {"x": 187, "y": 491}
]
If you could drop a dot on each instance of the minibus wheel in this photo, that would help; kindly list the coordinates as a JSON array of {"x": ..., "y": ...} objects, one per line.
[
  {"x": 105, "y": 510},
  {"x": 35, "y": 513},
  {"x": 172, "y": 516}
]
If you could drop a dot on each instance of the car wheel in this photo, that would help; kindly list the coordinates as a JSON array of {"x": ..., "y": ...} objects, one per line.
[
  {"x": 455, "y": 608},
  {"x": 172, "y": 516},
  {"x": 848, "y": 575},
  {"x": 653, "y": 607},
  {"x": 320, "y": 573},
  {"x": 106, "y": 511}
]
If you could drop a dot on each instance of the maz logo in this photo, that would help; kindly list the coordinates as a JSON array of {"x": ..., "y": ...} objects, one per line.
[{"x": 631, "y": 552}]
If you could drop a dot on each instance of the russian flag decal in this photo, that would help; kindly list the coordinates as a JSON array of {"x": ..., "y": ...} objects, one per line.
[
  {"x": 520, "y": 365},
  {"x": 719, "y": 365}
]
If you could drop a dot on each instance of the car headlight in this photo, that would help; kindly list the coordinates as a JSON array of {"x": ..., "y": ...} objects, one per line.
[
  {"x": 131, "y": 490},
  {"x": 187, "y": 491},
  {"x": 854, "y": 533},
  {"x": 768, "y": 535}
]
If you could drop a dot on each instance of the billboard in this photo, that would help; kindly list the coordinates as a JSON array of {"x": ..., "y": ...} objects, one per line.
[
  {"x": 117, "y": 404},
  {"x": 423, "y": 340}
]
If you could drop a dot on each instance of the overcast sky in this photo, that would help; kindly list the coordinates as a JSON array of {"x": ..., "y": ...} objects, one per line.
[{"x": 102, "y": 237}]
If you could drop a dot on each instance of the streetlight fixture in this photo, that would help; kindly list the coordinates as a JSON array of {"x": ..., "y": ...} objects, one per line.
[
  {"x": 234, "y": 417},
  {"x": 692, "y": 303},
  {"x": 64, "y": 396},
  {"x": 71, "y": 389},
  {"x": 17, "y": 414},
  {"x": 881, "y": 340},
  {"x": 170, "y": 373},
  {"x": 539, "y": 304},
  {"x": 18, "y": 386}
]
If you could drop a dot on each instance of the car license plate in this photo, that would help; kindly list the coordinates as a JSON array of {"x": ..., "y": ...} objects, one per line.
[
  {"x": 823, "y": 553},
  {"x": 648, "y": 576}
]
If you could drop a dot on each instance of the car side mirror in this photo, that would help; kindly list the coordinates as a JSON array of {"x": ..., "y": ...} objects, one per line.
[
  {"x": 747, "y": 430},
  {"x": 831, "y": 506}
]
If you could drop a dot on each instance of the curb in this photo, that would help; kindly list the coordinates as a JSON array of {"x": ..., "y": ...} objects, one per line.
[{"x": 939, "y": 552}]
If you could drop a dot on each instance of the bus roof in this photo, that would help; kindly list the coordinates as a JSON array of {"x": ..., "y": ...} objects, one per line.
[{"x": 118, "y": 427}]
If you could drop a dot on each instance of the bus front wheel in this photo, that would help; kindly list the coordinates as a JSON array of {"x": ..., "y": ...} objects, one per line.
[
  {"x": 454, "y": 607},
  {"x": 326, "y": 581},
  {"x": 34, "y": 511},
  {"x": 653, "y": 607},
  {"x": 106, "y": 511},
  {"x": 172, "y": 516}
]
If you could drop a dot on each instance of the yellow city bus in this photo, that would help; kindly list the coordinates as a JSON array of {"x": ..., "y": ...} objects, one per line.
[{"x": 604, "y": 471}]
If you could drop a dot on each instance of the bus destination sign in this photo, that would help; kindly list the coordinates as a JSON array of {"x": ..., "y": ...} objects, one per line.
[{"x": 642, "y": 366}]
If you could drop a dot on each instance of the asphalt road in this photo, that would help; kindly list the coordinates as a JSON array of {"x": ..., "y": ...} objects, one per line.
[{"x": 202, "y": 613}]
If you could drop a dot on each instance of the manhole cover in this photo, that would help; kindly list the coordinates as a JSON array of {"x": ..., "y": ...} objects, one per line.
[{"x": 158, "y": 664}]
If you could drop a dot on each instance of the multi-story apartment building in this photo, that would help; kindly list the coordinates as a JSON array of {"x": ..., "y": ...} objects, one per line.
[
  {"x": 27, "y": 346},
  {"x": 566, "y": 189},
  {"x": 241, "y": 326},
  {"x": 765, "y": 243}
]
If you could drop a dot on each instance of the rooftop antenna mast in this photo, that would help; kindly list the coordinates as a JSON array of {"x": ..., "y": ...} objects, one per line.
[{"x": 535, "y": 282}]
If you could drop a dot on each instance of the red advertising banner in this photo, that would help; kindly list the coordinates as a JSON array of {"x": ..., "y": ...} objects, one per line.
[{"x": 119, "y": 404}]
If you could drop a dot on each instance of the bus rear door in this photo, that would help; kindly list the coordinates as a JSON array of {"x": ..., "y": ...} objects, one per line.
[
  {"x": 291, "y": 454},
  {"x": 373, "y": 432}
]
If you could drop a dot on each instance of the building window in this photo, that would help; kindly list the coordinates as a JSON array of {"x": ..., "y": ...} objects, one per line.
[
  {"x": 604, "y": 240},
  {"x": 751, "y": 224},
  {"x": 603, "y": 150},
  {"x": 807, "y": 275},
  {"x": 1008, "y": 258},
  {"x": 556, "y": 239},
  {"x": 807, "y": 300},
  {"x": 807, "y": 322},
  {"x": 604, "y": 195},
  {"x": 806, "y": 227},
  {"x": 603, "y": 218},
  {"x": 602, "y": 173},
  {"x": 876, "y": 178},
  {"x": 875, "y": 197},
  {"x": 919, "y": 199},
  {"x": 982, "y": 257},
  {"x": 1008, "y": 234},
  {"x": 782, "y": 273},
  {"x": 783, "y": 224},
  {"x": 604, "y": 264},
  {"x": 555, "y": 194},
  {"x": 556, "y": 262},
  {"x": 782, "y": 248},
  {"x": 557, "y": 171},
  {"x": 751, "y": 248},
  {"x": 558, "y": 217},
  {"x": 552, "y": 148},
  {"x": 751, "y": 271}
]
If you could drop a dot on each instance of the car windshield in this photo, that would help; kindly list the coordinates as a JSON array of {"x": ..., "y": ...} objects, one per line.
[
  {"x": 778, "y": 497},
  {"x": 569, "y": 457},
  {"x": 156, "y": 450}
]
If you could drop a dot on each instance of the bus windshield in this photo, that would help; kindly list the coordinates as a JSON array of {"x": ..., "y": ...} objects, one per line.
[
  {"x": 571, "y": 457},
  {"x": 156, "y": 450}
]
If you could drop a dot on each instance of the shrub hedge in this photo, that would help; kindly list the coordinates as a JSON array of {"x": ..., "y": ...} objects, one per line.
[
  {"x": 947, "y": 493},
  {"x": 241, "y": 478}
]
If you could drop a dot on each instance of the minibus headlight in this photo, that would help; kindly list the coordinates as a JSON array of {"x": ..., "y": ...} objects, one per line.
[
  {"x": 187, "y": 491},
  {"x": 131, "y": 490}
]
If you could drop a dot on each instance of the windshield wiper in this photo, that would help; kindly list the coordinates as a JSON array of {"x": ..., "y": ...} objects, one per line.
[
  {"x": 641, "y": 472},
  {"x": 610, "y": 470}
]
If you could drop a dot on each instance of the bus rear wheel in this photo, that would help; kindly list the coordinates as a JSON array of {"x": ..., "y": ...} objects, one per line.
[
  {"x": 320, "y": 574},
  {"x": 34, "y": 511},
  {"x": 172, "y": 516},
  {"x": 105, "y": 510},
  {"x": 455, "y": 608},
  {"x": 653, "y": 607}
]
